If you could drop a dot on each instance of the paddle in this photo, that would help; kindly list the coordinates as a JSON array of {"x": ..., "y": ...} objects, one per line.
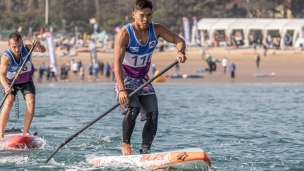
[
  {"x": 109, "y": 110},
  {"x": 18, "y": 73}
]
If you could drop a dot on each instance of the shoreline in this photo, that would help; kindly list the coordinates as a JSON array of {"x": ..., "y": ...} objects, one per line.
[{"x": 286, "y": 64}]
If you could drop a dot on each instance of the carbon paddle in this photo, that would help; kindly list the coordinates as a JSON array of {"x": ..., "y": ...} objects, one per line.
[
  {"x": 109, "y": 110},
  {"x": 18, "y": 73}
]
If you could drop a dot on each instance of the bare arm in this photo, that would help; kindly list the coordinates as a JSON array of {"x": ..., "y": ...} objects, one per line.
[
  {"x": 162, "y": 31},
  {"x": 38, "y": 47},
  {"x": 121, "y": 43},
  {"x": 4, "y": 64}
]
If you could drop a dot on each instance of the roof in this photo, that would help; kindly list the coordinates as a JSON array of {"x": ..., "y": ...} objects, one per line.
[{"x": 249, "y": 23}]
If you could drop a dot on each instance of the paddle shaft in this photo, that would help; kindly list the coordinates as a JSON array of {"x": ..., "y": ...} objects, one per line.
[
  {"x": 112, "y": 108},
  {"x": 18, "y": 73}
]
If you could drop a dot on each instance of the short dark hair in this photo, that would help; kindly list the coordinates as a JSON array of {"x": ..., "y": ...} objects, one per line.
[
  {"x": 141, "y": 4},
  {"x": 15, "y": 36}
]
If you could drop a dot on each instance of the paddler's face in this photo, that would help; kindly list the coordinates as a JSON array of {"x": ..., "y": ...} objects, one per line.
[
  {"x": 143, "y": 17},
  {"x": 15, "y": 47}
]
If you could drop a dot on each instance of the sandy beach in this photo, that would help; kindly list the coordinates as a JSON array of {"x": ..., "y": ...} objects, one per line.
[{"x": 286, "y": 64}]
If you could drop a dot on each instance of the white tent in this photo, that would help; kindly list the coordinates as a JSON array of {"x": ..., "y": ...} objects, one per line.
[
  {"x": 210, "y": 25},
  {"x": 297, "y": 26}
]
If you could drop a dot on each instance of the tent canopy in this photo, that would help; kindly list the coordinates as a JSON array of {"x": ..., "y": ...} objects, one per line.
[
  {"x": 247, "y": 24},
  {"x": 250, "y": 23}
]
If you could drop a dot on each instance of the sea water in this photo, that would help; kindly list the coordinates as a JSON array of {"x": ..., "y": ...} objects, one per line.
[{"x": 240, "y": 126}]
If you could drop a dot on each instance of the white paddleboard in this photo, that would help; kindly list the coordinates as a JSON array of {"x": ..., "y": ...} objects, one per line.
[{"x": 190, "y": 159}]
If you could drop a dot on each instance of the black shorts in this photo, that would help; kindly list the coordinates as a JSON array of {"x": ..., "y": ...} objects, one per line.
[
  {"x": 25, "y": 88},
  {"x": 146, "y": 104},
  {"x": 232, "y": 74}
]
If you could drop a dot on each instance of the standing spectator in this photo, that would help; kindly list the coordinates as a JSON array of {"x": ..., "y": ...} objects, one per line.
[
  {"x": 74, "y": 67},
  {"x": 112, "y": 71},
  {"x": 257, "y": 60},
  {"x": 269, "y": 41},
  {"x": 232, "y": 70},
  {"x": 90, "y": 69},
  {"x": 52, "y": 73},
  {"x": 62, "y": 73},
  {"x": 68, "y": 65},
  {"x": 213, "y": 64},
  {"x": 264, "y": 50},
  {"x": 254, "y": 46},
  {"x": 48, "y": 73},
  {"x": 67, "y": 69},
  {"x": 108, "y": 68},
  {"x": 153, "y": 69},
  {"x": 101, "y": 67},
  {"x": 41, "y": 72},
  {"x": 224, "y": 64},
  {"x": 79, "y": 64},
  {"x": 81, "y": 73},
  {"x": 209, "y": 62},
  {"x": 96, "y": 68}
]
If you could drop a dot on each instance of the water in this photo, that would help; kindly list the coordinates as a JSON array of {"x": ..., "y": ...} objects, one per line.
[{"x": 240, "y": 126}]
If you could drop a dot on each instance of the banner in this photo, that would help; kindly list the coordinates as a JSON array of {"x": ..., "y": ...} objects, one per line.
[
  {"x": 186, "y": 25},
  {"x": 51, "y": 48},
  {"x": 196, "y": 32},
  {"x": 76, "y": 37},
  {"x": 92, "y": 46}
]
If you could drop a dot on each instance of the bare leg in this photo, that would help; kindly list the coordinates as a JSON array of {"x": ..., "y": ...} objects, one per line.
[
  {"x": 4, "y": 116},
  {"x": 29, "y": 113}
]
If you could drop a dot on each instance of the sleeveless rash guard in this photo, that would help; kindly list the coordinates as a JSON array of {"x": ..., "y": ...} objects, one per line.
[
  {"x": 28, "y": 69},
  {"x": 137, "y": 59}
]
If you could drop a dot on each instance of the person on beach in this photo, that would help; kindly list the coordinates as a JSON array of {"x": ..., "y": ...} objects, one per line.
[
  {"x": 232, "y": 70},
  {"x": 257, "y": 60},
  {"x": 41, "y": 70},
  {"x": 153, "y": 69},
  {"x": 224, "y": 64},
  {"x": 134, "y": 46},
  {"x": 10, "y": 62}
]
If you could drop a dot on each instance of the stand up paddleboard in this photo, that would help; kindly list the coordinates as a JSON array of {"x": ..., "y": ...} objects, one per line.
[
  {"x": 186, "y": 159},
  {"x": 14, "y": 139}
]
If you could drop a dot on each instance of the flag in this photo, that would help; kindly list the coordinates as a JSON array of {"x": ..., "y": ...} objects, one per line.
[
  {"x": 196, "y": 33},
  {"x": 92, "y": 46},
  {"x": 51, "y": 48},
  {"x": 186, "y": 25}
]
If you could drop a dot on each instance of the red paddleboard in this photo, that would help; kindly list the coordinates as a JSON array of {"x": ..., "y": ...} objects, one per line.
[{"x": 14, "y": 139}]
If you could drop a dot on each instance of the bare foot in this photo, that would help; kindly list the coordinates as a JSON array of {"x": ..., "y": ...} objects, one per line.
[
  {"x": 126, "y": 149},
  {"x": 27, "y": 134}
]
